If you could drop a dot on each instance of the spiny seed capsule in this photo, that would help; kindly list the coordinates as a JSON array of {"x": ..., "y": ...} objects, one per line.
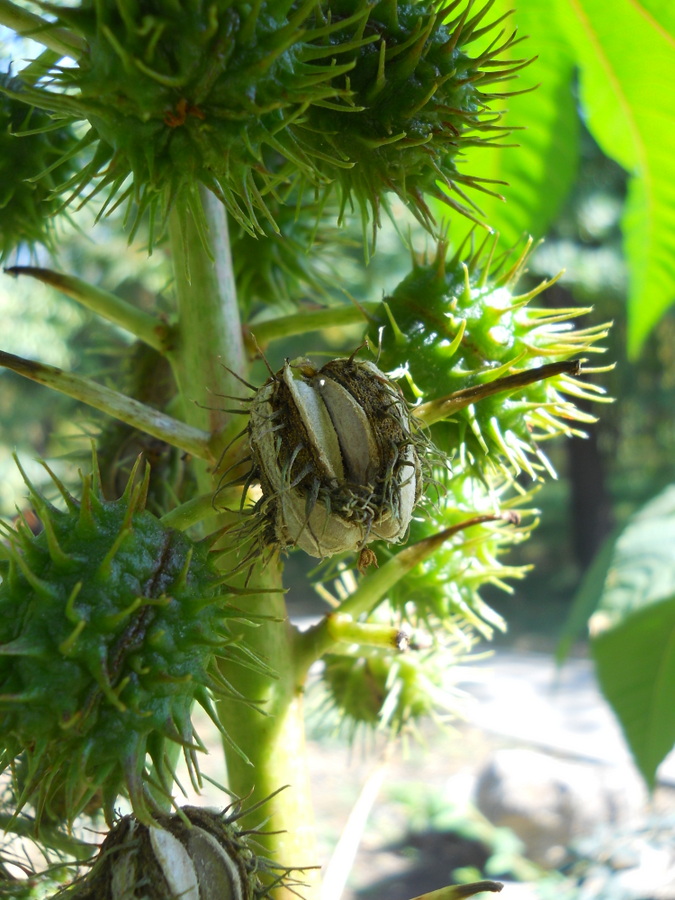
[{"x": 335, "y": 450}]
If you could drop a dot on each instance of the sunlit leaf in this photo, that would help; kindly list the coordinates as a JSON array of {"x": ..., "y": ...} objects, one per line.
[
  {"x": 662, "y": 14},
  {"x": 541, "y": 169},
  {"x": 636, "y": 667},
  {"x": 635, "y": 649},
  {"x": 634, "y": 568},
  {"x": 627, "y": 69}
]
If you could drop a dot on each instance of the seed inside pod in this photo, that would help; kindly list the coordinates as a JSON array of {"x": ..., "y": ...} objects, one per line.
[
  {"x": 194, "y": 854},
  {"x": 335, "y": 451}
]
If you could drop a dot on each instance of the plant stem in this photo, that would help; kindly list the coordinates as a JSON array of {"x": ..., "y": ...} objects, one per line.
[
  {"x": 189, "y": 513},
  {"x": 300, "y": 323},
  {"x": 273, "y": 737},
  {"x": 29, "y": 25},
  {"x": 145, "y": 327},
  {"x": 318, "y": 640},
  {"x": 209, "y": 339},
  {"x": 209, "y": 334},
  {"x": 121, "y": 407}
]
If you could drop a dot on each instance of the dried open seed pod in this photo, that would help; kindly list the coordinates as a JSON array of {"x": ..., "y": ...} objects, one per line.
[
  {"x": 336, "y": 454},
  {"x": 195, "y": 854}
]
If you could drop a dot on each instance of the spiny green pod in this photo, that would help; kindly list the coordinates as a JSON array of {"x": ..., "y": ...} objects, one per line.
[
  {"x": 443, "y": 593},
  {"x": 29, "y": 147},
  {"x": 336, "y": 454},
  {"x": 461, "y": 339},
  {"x": 385, "y": 691},
  {"x": 194, "y": 854},
  {"x": 433, "y": 612},
  {"x": 109, "y": 622},
  {"x": 297, "y": 258},
  {"x": 253, "y": 100},
  {"x": 417, "y": 97}
]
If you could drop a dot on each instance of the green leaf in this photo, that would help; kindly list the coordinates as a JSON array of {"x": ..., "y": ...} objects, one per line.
[
  {"x": 627, "y": 68},
  {"x": 635, "y": 653},
  {"x": 634, "y": 567},
  {"x": 662, "y": 13},
  {"x": 635, "y": 663},
  {"x": 539, "y": 171},
  {"x": 643, "y": 565}
]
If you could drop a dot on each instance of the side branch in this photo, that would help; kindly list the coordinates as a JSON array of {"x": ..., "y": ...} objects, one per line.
[
  {"x": 443, "y": 407},
  {"x": 146, "y": 328},
  {"x": 138, "y": 415},
  {"x": 263, "y": 333},
  {"x": 29, "y": 25},
  {"x": 318, "y": 640}
]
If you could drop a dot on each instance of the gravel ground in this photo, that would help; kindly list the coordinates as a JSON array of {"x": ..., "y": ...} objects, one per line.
[{"x": 514, "y": 700}]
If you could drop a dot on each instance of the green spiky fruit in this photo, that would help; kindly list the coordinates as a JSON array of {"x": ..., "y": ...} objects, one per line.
[
  {"x": 419, "y": 90},
  {"x": 443, "y": 593},
  {"x": 254, "y": 99},
  {"x": 387, "y": 693},
  {"x": 108, "y": 626},
  {"x": 439, "y": 599},
  {"x": 297, "y": 258},
  {"x": 194, "y": 853},
  {"x": 26, "y": 206},
  {"x": 455, "y": 325}
]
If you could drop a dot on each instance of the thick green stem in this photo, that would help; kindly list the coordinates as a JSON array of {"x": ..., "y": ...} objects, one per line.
[
  {"x": 273, "y": 737},
  {"x": 209, "y": 334},
  {"x": 209, "y": 339}
]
